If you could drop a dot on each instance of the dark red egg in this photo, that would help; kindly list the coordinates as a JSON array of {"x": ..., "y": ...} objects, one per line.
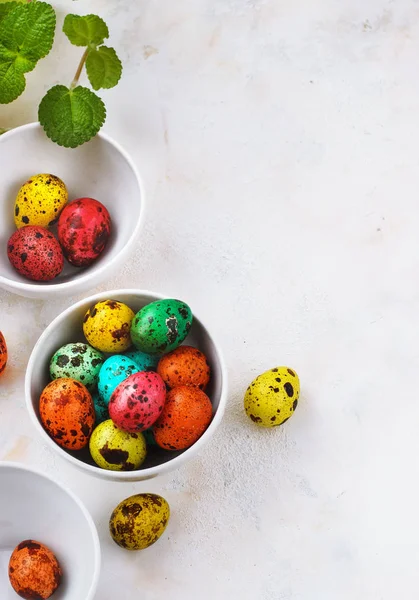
[
  {"x": 84, "y": 228},
  {"x": 35, "y": 253}
]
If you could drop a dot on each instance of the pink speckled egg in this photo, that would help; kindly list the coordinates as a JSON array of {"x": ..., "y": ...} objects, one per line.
[
  {"x": 84, "y": 228},
  {"x": 138, "y": 401},
  {"x": 35, "y": 253}
]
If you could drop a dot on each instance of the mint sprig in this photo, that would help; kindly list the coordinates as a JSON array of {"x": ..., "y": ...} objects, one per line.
[{"x": 70, "y": 115}]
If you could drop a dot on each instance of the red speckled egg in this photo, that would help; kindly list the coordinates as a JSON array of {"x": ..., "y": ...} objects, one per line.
[
  {"x": 84, "y": 228},
  {"x": 184, "y": 366},
  {"x": 3, "y": 353},
  {"x": 67, "y": 413},
  {"x": 35, "y": 253},
  {"x": 138, "y": 401},
  {"x": 186, "y": 415},
  {"x": 34, "y": 571}
]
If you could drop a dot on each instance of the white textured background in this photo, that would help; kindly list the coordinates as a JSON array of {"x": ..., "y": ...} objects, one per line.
[{"x": 278, "y": 140}]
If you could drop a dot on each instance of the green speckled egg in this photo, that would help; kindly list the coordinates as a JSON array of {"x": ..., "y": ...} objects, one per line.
[
  {"x": 116, "y": 450},
  {"x": 161, "y": 326},
  {"x": 272, "y": 397},
  {"x": 139, "y": 521},
  {"x": 78, "y": 361}
]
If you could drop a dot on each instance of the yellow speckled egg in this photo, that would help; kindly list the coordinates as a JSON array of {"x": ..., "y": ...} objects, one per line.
[
  {"x": 139, "y": 521},
  {"x": 107, "y": 326},
  {"x": 40, "y": 201},
  {"x": 117, "y": 450},
  {"x": 272, "y": 397}
]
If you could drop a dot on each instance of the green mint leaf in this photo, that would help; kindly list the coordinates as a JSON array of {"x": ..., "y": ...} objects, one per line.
[
  {"x": 104, "y": 69},
  {"x": 12, "y": 82},
  {"x": 71, "y": 117},
  {"x": 28, "y": 31},
  {"x": 85, "y": 31}
]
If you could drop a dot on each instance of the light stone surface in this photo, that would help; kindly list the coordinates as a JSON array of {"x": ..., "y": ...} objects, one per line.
[{"x": 278, "y": 144}]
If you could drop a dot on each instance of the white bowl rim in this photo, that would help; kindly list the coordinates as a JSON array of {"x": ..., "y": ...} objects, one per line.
[
  {"x": 68, "y": 285},
  {"x": 86, "y": 514},
  {"x": 138, "y": 474}
]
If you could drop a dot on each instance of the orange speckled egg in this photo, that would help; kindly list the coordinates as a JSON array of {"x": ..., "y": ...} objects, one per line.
[
  {"x": 3, "y": 353},
  {"x": 186, "y": 415},
  {"x": 34, "y": 572},
  {"x": 67, "y": 413},
  {"x": 184, "y": 366}
]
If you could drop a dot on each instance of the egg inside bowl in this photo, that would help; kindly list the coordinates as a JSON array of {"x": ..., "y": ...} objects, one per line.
[
  {"x": 68, "y": 328},
  {"x": 101, "y": 170},
  {"x": 36, "y": 508}
]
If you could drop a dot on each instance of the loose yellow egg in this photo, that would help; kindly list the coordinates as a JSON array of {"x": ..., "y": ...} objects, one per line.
[
  {"x": 272, "y": 397},
  {"x": 40, "y": 201},
  {"x": 139, "y": 521}
]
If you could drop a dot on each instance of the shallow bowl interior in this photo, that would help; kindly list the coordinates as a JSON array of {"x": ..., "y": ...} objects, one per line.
[
  {"x": 99, "y": 169},
  {"x": 32, "y": 506},
  {"x": 67, "y": 328}
]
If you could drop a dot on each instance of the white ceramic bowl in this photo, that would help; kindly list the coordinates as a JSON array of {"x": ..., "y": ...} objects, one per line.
[
  {"x": 67, "y": 328},
  {"x": 100, "y": 169},
  {"x": 33, "y": 506}
]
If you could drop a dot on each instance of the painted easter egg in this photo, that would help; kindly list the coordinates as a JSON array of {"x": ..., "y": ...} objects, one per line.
[
  {"x": 34, "y": 571},
  {"x": 114, "y": 371},
  {"x": 272, "y": 397},
  {"x": 67, "y": 413},
  {"x": 139, "y": 521},
  {"x": 40, "y": 201},
  {"x": 184, "y": 366},
  {"x": 161, "y": 326},
  {"x": 107, "y": 326},
  {"x": 35, "y": 253},
  {"x": 117, "y": 450},
  {"x": 138, "y": 401},
  {"x": 84, "y": 228},
  {"x": 3, "y": 353},
  {"x": 77, "y": 361},
  {"x": 186, "y": 415}
]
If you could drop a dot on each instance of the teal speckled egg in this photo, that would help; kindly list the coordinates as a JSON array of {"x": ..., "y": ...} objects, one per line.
[
  {"x": 113, "y": 372},
  {"x": 101, "y": 408},
  {"x": 161, "y": 326},
  {"x": 77, "y": 361},
  {"x": 144, "y": 361}
]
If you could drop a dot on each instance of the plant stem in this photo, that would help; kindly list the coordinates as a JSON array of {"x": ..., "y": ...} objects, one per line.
[{"x": 79, "y": 69}]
